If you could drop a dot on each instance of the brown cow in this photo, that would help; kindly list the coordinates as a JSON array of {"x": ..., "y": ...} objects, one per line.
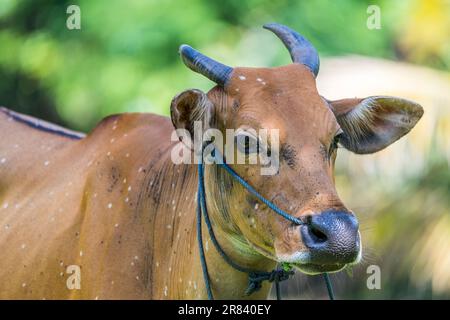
[{"x": 112, "y": 208}]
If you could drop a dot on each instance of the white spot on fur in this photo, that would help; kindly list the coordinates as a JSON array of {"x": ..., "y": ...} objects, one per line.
[
  {"x": 237, "y": 89},
  {"x": 24, "y": 285},
  {"x": 5, "y": 205},
  {"x": 116, "y": 225},
  {"x": 242, "y": 78},
  {"x": 256, "y": 206},
  {"x": 263, "y": 83},
  {"x": 132, "y": 263},
  {"x": 157, "y": 264},
  {"x": 137, "y": 277},
  {"x": 129, "y": 188},
  {"x": 46, "y": 163},
  {"x": 136, "y": 258},
  {"x": 23, "y": 246},
  {"x": 259, "y": 79},
  {"x": 165, "y": 291},
  {"x": 127, "y": 199},
  {"x": 3, "y": 160},
  {"x": 109, "y": 205},
  {"x": 81, "y": 253},
  {"x": 125, "y": 180},
  {"x": 169, "y": 226},
  {"x": 127, "y": 155},
  {"x": 109, "y": 153},
  {"x": 112, "y": 140}
]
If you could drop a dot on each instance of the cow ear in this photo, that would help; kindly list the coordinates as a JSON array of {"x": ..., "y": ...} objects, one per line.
[
  {"x": 188, "y": 107},
  {"x": 373, "y": 123}
]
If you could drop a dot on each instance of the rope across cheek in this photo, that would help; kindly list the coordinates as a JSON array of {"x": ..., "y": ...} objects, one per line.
[{"x": 255, "y": 277}]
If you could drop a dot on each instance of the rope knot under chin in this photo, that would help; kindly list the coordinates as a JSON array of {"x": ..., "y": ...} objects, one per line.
[{"x": 255, "y": 279}]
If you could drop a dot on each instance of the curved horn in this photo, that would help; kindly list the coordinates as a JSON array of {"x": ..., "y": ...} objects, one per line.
[
  {"x": 301, "y": 50},
  {"x": 213, "y": 70}
]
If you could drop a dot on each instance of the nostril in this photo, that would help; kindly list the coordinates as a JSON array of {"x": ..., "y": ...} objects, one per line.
[
  {"x": 331, "y": 237},
  {"x": 317, "y": 235}
]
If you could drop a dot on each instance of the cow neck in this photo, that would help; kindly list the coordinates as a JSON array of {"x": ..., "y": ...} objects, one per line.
[
  {"x": 245, "y": 275},
  {"x": 218, "y": 200}
]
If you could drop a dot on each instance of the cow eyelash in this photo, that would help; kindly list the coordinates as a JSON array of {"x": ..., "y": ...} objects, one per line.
[
  {"x": 335, "y": 143},
  {"x": 336, "y": 139}
]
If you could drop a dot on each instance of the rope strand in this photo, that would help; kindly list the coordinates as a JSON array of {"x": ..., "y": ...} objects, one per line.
[
  {"x": 329, "y": 286},
  {"x": 259, "y": 196},
  {"x": 200, "y": 244}
]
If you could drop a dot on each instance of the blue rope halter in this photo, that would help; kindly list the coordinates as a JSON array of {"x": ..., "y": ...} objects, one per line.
[{"x": 255, "y": 277}]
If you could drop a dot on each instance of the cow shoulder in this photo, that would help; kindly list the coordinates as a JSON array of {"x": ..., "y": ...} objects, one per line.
[{"x": 137, "y": 127}]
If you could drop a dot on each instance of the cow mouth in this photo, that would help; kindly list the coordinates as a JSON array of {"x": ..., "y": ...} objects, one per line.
[{"x": 312, "y": 268}]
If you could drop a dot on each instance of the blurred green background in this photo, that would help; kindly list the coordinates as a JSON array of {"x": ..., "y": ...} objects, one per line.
[{"x": 125, "y": 59}]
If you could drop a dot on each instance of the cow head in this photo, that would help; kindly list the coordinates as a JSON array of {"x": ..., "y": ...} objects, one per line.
[{"x": 310, "y": 130}]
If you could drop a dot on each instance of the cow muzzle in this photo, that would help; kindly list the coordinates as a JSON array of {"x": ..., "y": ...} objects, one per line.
[{"x": 332, "y": 239}]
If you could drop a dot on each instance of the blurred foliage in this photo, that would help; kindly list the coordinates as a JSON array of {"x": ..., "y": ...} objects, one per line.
[{"x": 125, "y": 59}]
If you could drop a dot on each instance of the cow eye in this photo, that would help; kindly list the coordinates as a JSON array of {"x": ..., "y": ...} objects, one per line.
[
  {"x": 247, "y": 143},
  {"x": 334, "y": 143},
  {"x": 336, "y": 140}
]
